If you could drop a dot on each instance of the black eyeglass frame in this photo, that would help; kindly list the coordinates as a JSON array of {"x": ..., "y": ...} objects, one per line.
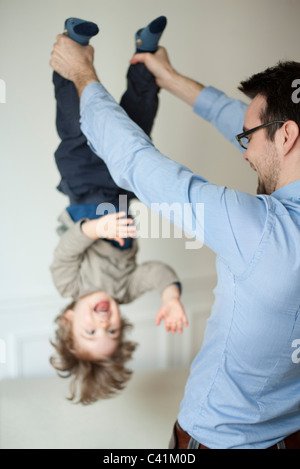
[{"x": 248, "y": 132}]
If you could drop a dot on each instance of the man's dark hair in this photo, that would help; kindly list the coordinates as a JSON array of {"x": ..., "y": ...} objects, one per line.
[{"x": 276, "y": 84}]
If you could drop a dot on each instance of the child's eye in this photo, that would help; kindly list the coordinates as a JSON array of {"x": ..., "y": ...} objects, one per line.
[
  {"x": 113, "y": 331},
  {"x": 91, "y": 332}
]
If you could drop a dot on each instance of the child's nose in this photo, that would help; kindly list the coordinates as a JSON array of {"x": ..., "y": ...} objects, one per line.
[{"x": 103, "y": 320}]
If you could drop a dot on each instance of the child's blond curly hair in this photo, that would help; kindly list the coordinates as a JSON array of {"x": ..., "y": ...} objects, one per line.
[{"x": 93, "y": 380}]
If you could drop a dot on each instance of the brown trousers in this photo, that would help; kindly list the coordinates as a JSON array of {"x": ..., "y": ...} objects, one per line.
[{"x": 182, "y": 440}]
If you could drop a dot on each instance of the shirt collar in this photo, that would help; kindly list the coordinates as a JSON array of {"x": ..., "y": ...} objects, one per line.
[{"x": 290, "y": 191}]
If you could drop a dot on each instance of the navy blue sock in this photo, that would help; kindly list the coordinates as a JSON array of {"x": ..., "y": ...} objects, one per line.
[
  {"x": 147, "y": 39},
  {"x": 80, "y": 31}
]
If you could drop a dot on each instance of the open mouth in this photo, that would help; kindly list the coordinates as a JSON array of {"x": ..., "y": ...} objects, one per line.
[{"x": 102, "y": 307}]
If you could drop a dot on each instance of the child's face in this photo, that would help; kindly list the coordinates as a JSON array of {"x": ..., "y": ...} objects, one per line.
[{"x": 96, "y": 325}]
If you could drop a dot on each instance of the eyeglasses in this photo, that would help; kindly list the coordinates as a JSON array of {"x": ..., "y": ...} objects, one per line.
[{"x": 243, "y": 137}]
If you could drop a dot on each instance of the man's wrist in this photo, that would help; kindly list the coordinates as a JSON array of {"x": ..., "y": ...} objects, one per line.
[
  {"x": 183, "y": 87},
  {"x": 171, "y": 80},
  {"x": 83, "y": 80}
]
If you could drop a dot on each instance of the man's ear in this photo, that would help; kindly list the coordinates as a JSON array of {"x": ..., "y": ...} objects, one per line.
[
  {"x": 291, "y": 135},
  {"x": 69, "y": 314}
]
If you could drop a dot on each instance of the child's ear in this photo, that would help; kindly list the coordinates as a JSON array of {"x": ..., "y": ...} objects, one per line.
[{"x": 69, "y": 314}]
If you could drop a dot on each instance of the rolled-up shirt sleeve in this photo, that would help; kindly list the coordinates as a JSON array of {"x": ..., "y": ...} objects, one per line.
[
  {"x": 225, "y": 113},
  {"x": 232, "y": 222}
]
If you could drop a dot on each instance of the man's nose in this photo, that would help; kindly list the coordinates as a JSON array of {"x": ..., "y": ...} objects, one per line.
[{"x": 245, "y": 156}]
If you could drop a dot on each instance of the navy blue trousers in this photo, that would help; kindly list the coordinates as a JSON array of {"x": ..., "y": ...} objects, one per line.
[{"x": 85, "y": 178}]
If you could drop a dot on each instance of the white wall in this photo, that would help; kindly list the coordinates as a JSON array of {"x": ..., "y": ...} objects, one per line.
[{"x": 216, "y": 42}]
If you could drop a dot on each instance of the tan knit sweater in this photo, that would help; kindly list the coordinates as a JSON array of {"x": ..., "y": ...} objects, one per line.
[{"x": 82, "y": 265}]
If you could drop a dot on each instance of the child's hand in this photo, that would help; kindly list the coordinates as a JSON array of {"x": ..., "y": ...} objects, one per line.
[
  {"x": 111, "y": 226},
  {"x": 115, "y": 227},
  {"x": 173, "y": 313}
]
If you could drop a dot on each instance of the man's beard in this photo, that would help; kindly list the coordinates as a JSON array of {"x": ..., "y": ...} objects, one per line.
[
  {"x": 268, "y": 184},
  {"x": 261, "y": 188}
]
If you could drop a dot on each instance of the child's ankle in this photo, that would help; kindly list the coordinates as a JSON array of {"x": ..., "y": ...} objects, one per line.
[
  {"x": 80, "y": 31},
  {"x": 147, "y": 38}
]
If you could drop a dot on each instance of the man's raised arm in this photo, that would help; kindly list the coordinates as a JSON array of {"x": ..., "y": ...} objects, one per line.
[
  {"x": 225, "y": 113},
  {"x": 162, "y": 184},
  {"x": 74, "y": 62},
  {"x": 167, "y": 77}
]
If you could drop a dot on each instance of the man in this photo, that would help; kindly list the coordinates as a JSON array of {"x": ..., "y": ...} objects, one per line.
[{"x": 243, "y": 389}]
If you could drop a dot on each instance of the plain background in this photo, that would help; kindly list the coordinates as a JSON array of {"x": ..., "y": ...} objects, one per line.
[{"x": 216, "y": 42}]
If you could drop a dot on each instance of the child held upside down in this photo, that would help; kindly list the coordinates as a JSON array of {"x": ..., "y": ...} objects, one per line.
[{"x": 95, "y": 260}]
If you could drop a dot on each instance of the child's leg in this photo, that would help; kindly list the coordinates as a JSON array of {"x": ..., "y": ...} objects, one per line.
[
  {"x": 147, "y": 39},
  {"x": 84, "y": 176},
  {"x": 140, "y": 100}
]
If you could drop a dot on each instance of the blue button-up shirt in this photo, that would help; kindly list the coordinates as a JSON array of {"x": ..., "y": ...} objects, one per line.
[{"x": 244, "y": 386}]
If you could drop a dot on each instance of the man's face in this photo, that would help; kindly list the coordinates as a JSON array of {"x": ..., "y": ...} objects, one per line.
[
  {"x": 262, "y": 154},
  {"x": 96, "y": 325}
]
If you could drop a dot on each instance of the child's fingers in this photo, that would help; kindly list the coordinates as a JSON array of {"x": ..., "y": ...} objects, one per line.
[
  {"x": 121, "y": 220},
  {"x": 112, "y": 216},
  {"x": 120, "y": 214},
  {"x": 160, "y": 315},
  {"x": 126, "y": 233},
  {"x": 125, "y": 221},
  {"x": 182, "y": 322},
  {"x": 175, "y": 326},
  {"x": 125, "y": 228},
  {"x": 158, "y": 320}
]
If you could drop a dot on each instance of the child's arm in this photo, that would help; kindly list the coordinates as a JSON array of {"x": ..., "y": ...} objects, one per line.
[
  {"x": 172, "y": 310},
  {"x": 70, "y": 250},
  {"x": 68, "y": 256},
  {"x": 158, "y": 276}
]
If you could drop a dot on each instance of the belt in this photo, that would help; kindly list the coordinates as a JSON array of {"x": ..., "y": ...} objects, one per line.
[{"x": 182, "y": 440}]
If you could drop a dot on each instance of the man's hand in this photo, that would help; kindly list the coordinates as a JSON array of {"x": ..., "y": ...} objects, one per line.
[
  {"x": 166, "y": 76},
  {"x": 172, "y": 310},
  {"x": 74, "y": 62},
  {"x": 158, "y": 64},
  {"x": 111, "y": 226}
]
